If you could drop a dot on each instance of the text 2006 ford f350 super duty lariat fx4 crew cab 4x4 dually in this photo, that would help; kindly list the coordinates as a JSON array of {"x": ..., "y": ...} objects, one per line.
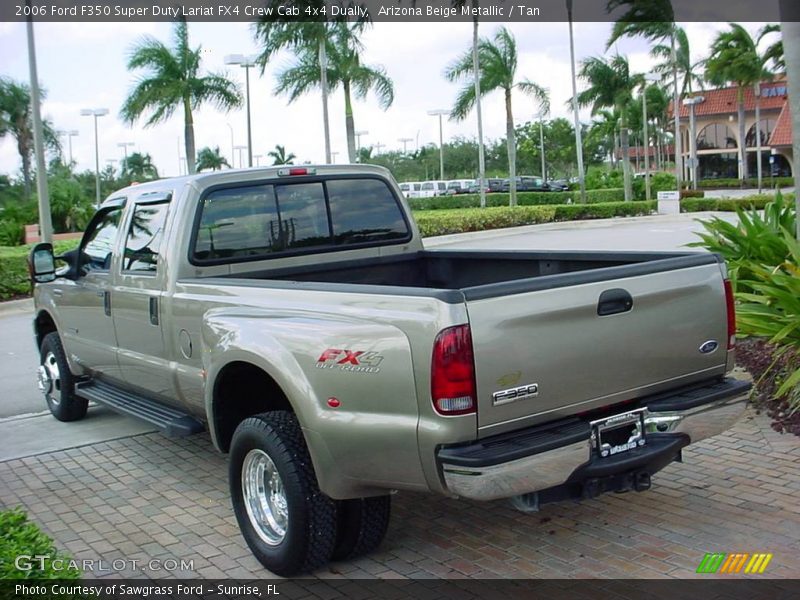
[{"x": 295, "y": 314}]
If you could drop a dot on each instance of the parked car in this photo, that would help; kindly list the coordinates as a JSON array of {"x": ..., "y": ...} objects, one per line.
[
  {"x": 558, "y": 185},
  {"x": 459, "y": 186},
  {"x": 492, "y": 185},
  {"x": 430, "y": 189},
  {"x": 295, "y": 314},
  {"x": 411, "y": 189},
  {"x": 526, "y": 183}
]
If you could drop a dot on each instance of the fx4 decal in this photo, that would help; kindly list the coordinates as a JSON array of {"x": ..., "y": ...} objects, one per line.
[{"x": 354, "y": 361}]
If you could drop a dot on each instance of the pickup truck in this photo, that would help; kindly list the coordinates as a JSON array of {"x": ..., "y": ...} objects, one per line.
[{"x": 295, "y": 314}]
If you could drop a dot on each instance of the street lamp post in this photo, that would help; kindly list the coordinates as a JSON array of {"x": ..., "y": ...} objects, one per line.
[
  {"x": 757, "y": 90},
  {"x": 124, "y": 146},
  {"x": 246, "y": 62},
  {"x": 358, "y": 135},
  {"x": 233, "y": 152},
  {"x": 541, "y": 116},
  {"x": 239, "y": 152},
  {"x": 95, "y": 112},
  {"x": 691, "y": 102},
  {"x": 440, "y": 112},
  {"x": 405, "y": 141},
  {"x": 378, "y": 147},
  {"x": 333, "y": 157},
  {"x": 45, "y": 220},
  {"x": 70, "y": 134},
  {"x": 575, "y": 116}
]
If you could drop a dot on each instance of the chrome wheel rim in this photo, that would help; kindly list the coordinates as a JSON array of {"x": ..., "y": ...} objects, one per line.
[
  {"x": 50, "y": 379},
  {"x": 264, "y": 497}
]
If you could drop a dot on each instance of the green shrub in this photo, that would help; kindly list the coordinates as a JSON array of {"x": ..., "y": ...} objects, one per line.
[
  {"x": 692, "y": 194},
  {"x": 14, "y": 278},
  {"x": 756, "y": 201},
  {"x": 20, "y": 537},
  {"x": 442, "y": 222},
  {"x": 749, "y": 183},
  {"x": 523, "y": 199},
  {"x": 755, "y": 240}
]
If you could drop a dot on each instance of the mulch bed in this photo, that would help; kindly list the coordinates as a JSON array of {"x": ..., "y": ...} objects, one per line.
[{"x": 756, "y": 356}]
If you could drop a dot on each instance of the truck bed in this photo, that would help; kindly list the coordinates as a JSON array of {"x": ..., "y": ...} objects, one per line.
[{"x": 482, "y": 274}]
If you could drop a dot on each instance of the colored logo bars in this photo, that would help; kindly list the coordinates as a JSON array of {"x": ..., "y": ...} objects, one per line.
[{"x": 742, "y": 562}]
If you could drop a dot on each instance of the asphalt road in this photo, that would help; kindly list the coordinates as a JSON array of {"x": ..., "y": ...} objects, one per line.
[{"x": 25, "y": 433}]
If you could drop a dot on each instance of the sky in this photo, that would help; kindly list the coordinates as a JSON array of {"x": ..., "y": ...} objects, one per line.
[{"x": 83, "y": 65}]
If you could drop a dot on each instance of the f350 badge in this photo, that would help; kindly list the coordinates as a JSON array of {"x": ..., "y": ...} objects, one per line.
[{"x": 521, "y": 392}]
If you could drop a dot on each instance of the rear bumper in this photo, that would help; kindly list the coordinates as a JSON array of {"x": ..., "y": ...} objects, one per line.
[{"x": 561, "y": 455}]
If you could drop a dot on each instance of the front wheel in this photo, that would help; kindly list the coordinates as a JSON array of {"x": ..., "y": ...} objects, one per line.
[
  {"x": 57, "y": 383},
  {"x": 288, "y": 523}
]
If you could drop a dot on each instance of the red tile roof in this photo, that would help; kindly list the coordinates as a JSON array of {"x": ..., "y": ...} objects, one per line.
[
  {"x": 782, "y": 134},
  {"x": 724, "y": 102}
]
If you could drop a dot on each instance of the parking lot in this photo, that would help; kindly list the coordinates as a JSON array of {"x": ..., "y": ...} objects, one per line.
[{"x": 108, "y": 488}]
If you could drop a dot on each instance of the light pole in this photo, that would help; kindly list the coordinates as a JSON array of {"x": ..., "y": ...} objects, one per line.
[
  {"x": 124, "y": 146},
  {"x": 440, "y": 112},
  {"x": 333, "y": 157},
  {"x": 541, "y": 116},
  {"x": 258, "y": 158},
  {"x": 576, "y": 118},
  {"x": 246, "y": 62},
  {"x": 378, "y": 147},
  {"x": 691, "y": 102},
  {"x": 240, "y": 148},
  {"x": 405, "y": 141},
  {"x": 233, "y": 152},
  {"x": 95, "y": 112},
  {"x": 70, "y": 134},
  {"x": 757, "y": 90},
  {"x": 648, "y": 78},
  {"x": 358, "y": 135},
  {"x": 45, "y": 220}
]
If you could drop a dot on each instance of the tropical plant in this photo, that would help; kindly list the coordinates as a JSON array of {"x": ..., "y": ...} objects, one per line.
[
  {"x": 19, "y": 537},
  {"x": 653, "y": 20},
  {"x": 344, "y": 69},
  {"x": 139, "y": 166},
  {"x": 688, "y": 71},
  {"x": 16, "y": 120},
  {"x": 734, "y": 58},
  {"x": 611, "y": 86},
  {"x": 173, "y": 80},
  {"x": 209, "y": 158},
  {"x": 280, "y": 157},
  {"x": 275, "y": 34},
  {"x": 498, "y": 58}
]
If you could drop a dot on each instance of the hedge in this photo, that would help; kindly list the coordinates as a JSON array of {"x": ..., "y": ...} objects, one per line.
[
  {"x": 769, "y": 182},
  {"x": 523, "y": 199},
  {"x": 441, "y": 222},
  {"x": 21, "y": 538},
  {"x": 14, "y": 278},
  {"x": 757, "y": 201}
]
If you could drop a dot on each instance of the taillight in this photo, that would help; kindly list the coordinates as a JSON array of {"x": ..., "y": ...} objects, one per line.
[
  {"x": 731, "y": 307},
  {"x": 453, "y": 372}
]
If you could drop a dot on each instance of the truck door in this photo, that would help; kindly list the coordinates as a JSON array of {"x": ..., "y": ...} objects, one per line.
[
  {"x": 137, "y": 299},
  {"x": 84, "y": 304}
]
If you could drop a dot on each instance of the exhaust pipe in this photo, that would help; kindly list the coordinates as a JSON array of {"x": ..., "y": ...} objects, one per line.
[
  {"x": 641, "y": 481},
  {"x": 527, "y": 503}
]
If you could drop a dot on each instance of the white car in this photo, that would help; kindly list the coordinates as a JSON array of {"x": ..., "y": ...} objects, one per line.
[
  {"x": 431, "y": 189},
  {"x": 411, "y": 189}
]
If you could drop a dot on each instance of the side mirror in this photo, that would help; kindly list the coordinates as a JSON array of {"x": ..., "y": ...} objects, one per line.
[{"x": 41, "y": 263}]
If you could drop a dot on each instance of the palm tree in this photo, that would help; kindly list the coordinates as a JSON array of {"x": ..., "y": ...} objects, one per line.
[
  {"x": 173, "y": 80},
  {"x": 345, "y": 69},
  {"x": 275, "y": 34},
  {"x": 209, "y": 158},
  {"x": 139, "y": 167},
  {"x": 499, "y": 60},
  {"x": 279, "y": 156},
  {"x": 734, "y": 58},
  {"x": 16, "y": 121},
  {"x": 654, "y": 20},
  {"x": 604, "y": 130},
  {"x": 687, "y": 70},
  {"x": 611, "y": 85}
]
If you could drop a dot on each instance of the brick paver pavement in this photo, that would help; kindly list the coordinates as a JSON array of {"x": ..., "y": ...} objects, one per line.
[{"x": 149, "y": 497}]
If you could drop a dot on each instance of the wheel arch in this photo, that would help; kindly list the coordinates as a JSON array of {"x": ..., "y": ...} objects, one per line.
[{"x": 43, "y": 324}]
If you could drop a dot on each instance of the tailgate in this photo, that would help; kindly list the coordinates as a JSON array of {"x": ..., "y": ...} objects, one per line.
[{"x": 547, "y": 352}]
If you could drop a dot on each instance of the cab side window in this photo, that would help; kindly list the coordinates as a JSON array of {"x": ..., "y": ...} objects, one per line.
[
  {"x": 143, "y": 242},
  {"x": 99, "y": 246}
]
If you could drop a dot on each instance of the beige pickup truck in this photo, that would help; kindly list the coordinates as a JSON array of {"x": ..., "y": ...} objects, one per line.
[{"x": 295, "y": 314}]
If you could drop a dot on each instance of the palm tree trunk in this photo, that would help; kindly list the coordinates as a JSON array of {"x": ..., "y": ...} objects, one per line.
[
  {"x": 189, "y": 136},
  {"x": 626, "y": 164},
  {"x": 476, "y": 68},
  {"x": 742, "y": 141},
  {"x": 511, "y": 145},
  {"x": 790, "y": 30},
  {"x": 323, "y": 82},
  {"x": 676, "y": 107},
  {"x": 349, "y": 123},
  {"x": 25, "y": 154}
]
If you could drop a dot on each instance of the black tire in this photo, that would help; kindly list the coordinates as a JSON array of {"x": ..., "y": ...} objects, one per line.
[
  {"x": 309, "y": 533},
  {"x": 362, "y": 525},
  {"x": 57, "y": 382}
]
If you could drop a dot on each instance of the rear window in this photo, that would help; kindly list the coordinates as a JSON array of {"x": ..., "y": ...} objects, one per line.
[{"x": 255, "y": 221}]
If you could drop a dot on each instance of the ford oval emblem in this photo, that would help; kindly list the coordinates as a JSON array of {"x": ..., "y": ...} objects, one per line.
[{"x": 709, "y": 347}]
